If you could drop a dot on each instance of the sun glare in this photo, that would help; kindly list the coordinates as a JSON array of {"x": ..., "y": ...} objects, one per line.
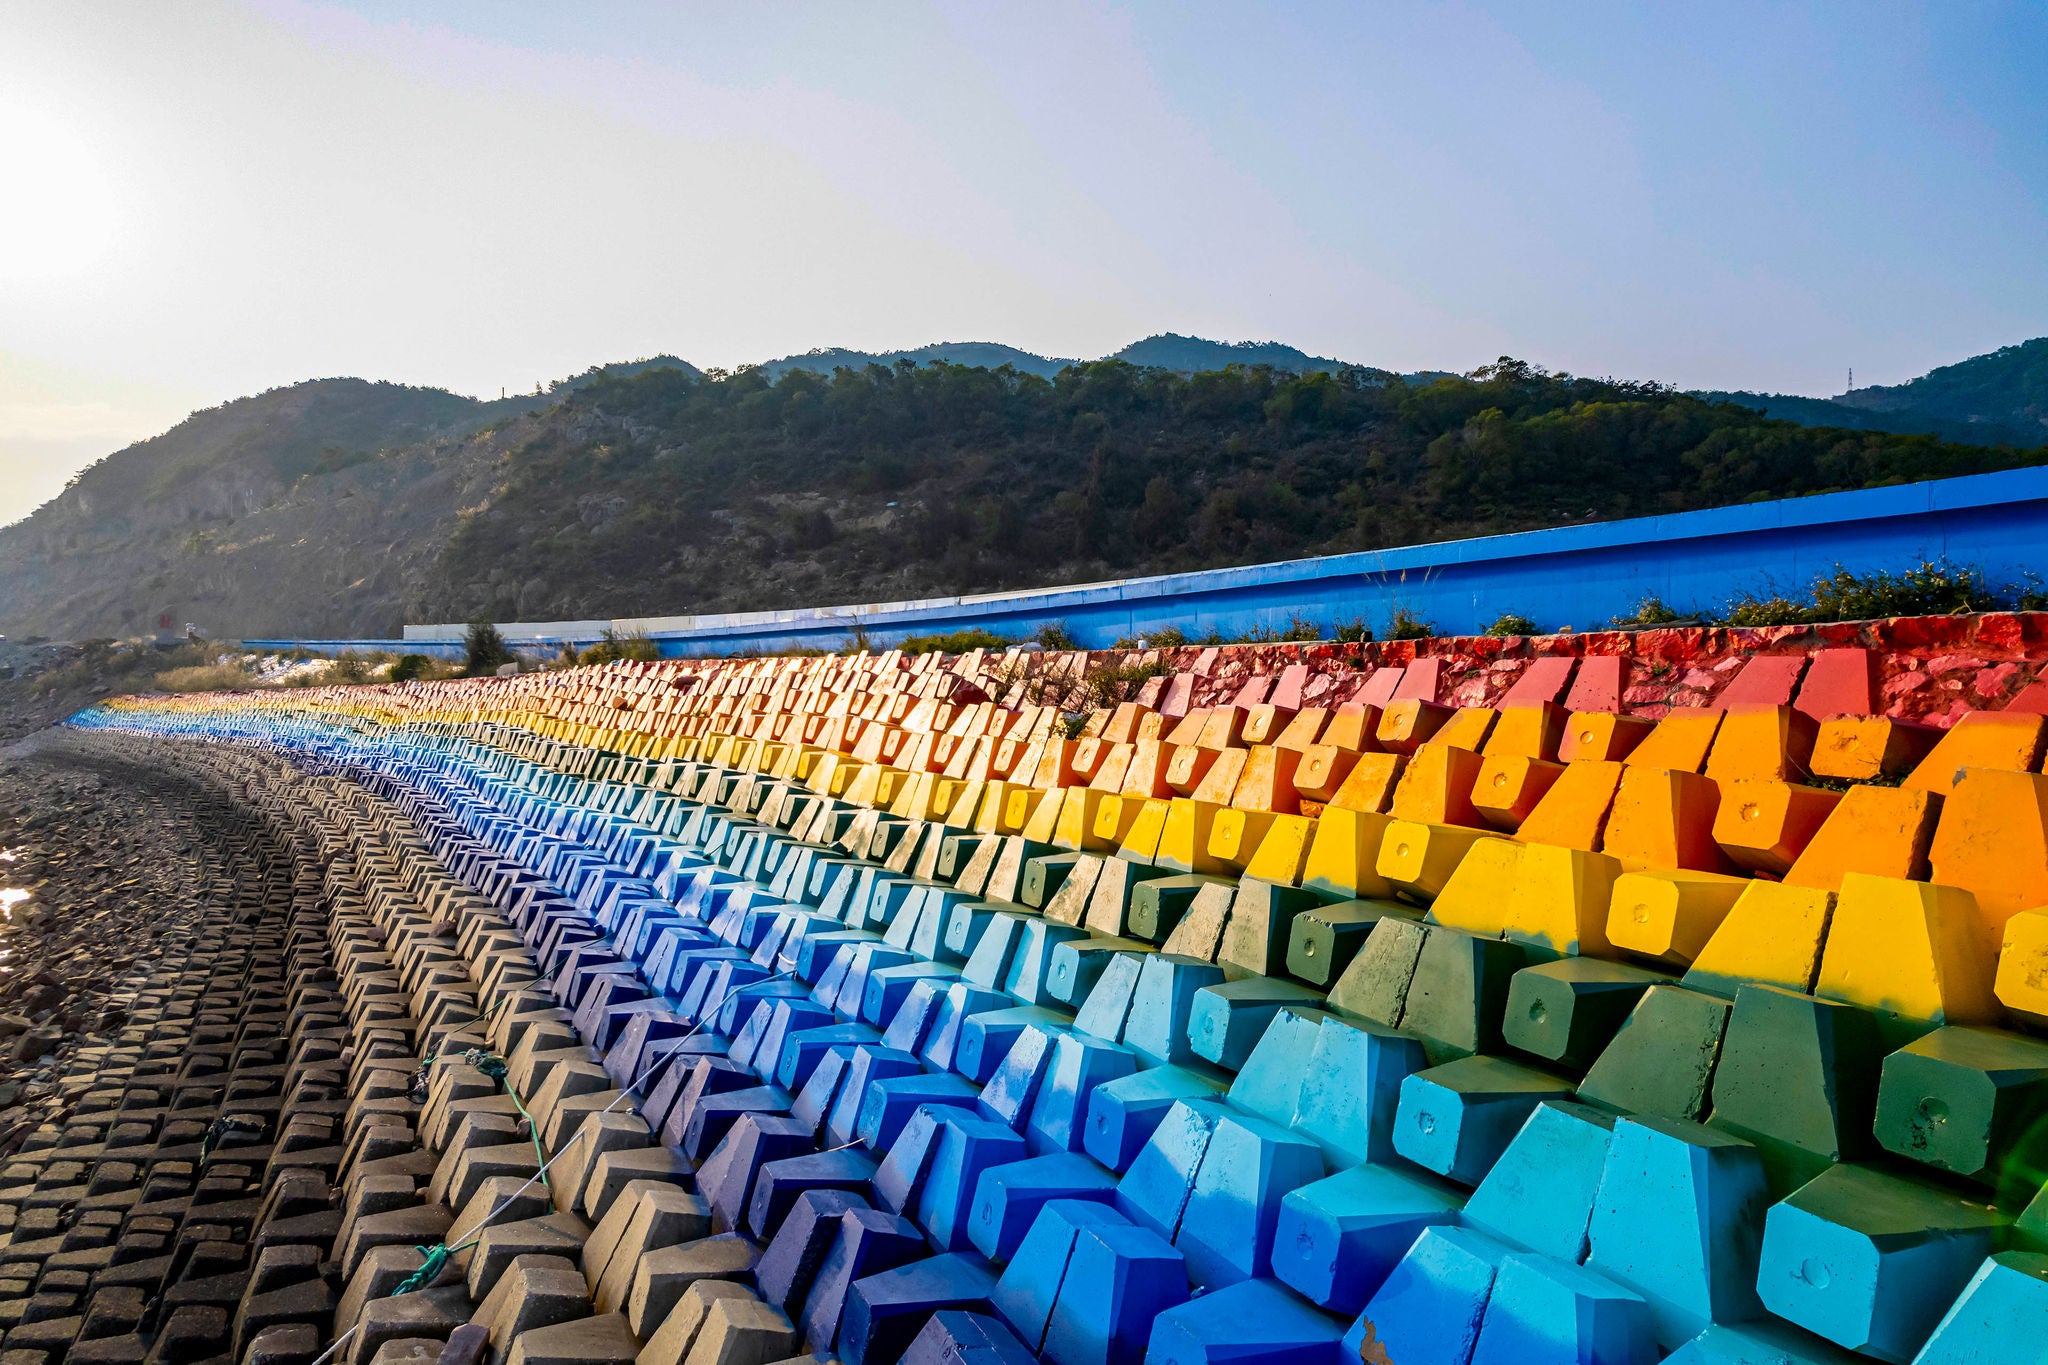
[{"x": 58, "y": 207}]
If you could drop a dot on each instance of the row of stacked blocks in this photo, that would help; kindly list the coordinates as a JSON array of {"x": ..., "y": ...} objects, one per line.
[
  {"x": 132, "y": 1231},
  {"x": 983, "y": 1068}
]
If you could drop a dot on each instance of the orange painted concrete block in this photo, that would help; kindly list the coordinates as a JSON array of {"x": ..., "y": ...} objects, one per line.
[
  {"x": 1983, "y": 739},
  {"x": 1467, "y": 728},
  {"x": 1224, "y": 729},
  {"x": 1764, "y": 824},
  {"x": 1220, "y": 782},
  {"x": 1509, "y": 786},
  {"x": 1573, "y": 813},
  {"x": 1352, "y": 726},
  {"x": 1664, "y": 818},
  {"x": 1992, "y": 840},
  {"x": 1880, "y": 831},
  {"x": 1680, "y": 742},
  {"x": 1321, "y": 770},
  {"x": 1370, "y": 784},
  {"x": 1436, "y": 787},
  {"x": 1265, "y": 723},
  {"x": 1268, "y": 781},
  {"x": 1603, "y": 736},
  {"x": 1406, "y": 726},
  {"x": 1866, "y": 748},
  {"x": 1304, "y": 728},
  {"x": 1527, "y": 731},
  {"x": 1774, "y": 742}
]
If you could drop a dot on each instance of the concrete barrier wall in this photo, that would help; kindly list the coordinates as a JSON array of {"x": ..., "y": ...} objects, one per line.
[{"x": 1577, "y": 576}]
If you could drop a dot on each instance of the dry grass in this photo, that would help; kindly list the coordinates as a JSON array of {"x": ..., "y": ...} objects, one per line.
[{"x": 205, "y": 678}]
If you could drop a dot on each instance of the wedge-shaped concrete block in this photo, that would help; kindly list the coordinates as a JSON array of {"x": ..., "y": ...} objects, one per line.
[
  {"x": 1154, "y": 1191},
  {"x": 1031, "y": 1285},
  {"x": 1058, "y": 1117},
  {"x": 1157, "y": 1025},
  {"x": 1871, "y": 1260},
  {"x": 1560, "y": 899},
  {"x": 1663, "y": 818},
  {"x": 1545, "y": 1311},
  {"x": 1118, "y": 1281},
  {"x": 885, "y": 1312},
  {"x": 1458, "y": 995},
  {"x": 1350, "y": 1089},
  {"x": 1262, "y": 917},
  {"x": 870, "y": 1241},
  {"x": 1679, "y": 1219},
  {"x": 663, "y": 1273},
  {"x": 1763, "y": 1342},
  {"x": 1325, "y": 938},
  {"x": 967, "y": 1146},
  {"x": 534, "y": 1291},
  {"x": 1540, "y": 1193},
  {"x": 604, "y": 1340},
  {"x": 1477, "y": 895},
  {"x": 1909, "y": 948},
  {"x": 1764, "y": 824},
  {"x": 1343, "y": 857},
  {"x": 1772, "y": 936},
  {"x": 1418, "y": 859},
  {"x": 1227, "y": 1224},
  {"x": 1375, "y": 985},
  {"x": 2004, "y": 1305},
  {"x": 1159, "y": 903},
  {"x": 790, "y": 1262},
  {"x": 1429, "y": 1310},
  {"x": 1228, "y": 1018},
  {"x": 1798, "y": 1075},
  {"x": 673, "y": 1341},
  {"x": 1992, "y": 841},
  {"x": 1879, "y": 831},
  {"x": 1008, "y": 1198},
  {"x": 1456, "y": 1119},
  {"x": 1670, "y": 916},
  {"x": 741, "y": 1331},
  {"x": 1124, "y": 1113},
  {"x": 1255, "y": 1322},
  {"x": 1972, "y": 1101},
  {"x": 1566, "y": 1012},
  {"x": 1662, "y": 1060},
  {"x": 954, "y": 1337},
  {"x": 2005, "y": 741},
  {"x": 1338, "y": 1238},
  {"x": 2021, "y": 984}
]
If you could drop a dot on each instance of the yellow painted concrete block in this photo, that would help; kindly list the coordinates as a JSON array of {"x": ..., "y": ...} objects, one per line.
[
  {"x": 1527, "y": 731},
  {"x": 1912, "y": 948},
  {"x": 1406, "y": 726},
  {"x": 1074, "y": 827},
  {"x": 1321, "y": 770},
  {"x": 1268, "y": 781},
  {"x": 1344, "y": 854},
  {"x": 1184, "y": 841},
  {"x": 1509, "y": 786},
  {"x": 1141, "y": 840},
  {"x": 1992, "y": 840},
  {"x": 1146, "y": 775},
  {"x": 1573, "y": 813},
  {"x": 1881, "y": 831},
  {"x": 1664, "y": 818},
  {"x": 1436, "y": 787},
  {"x": 865, "y": 786},
  {"x": 1864, "y": 748},
  {"x": 1418, "y": 859},
  {"x": 1369, "y": 786},
  {"x": 1772, "y": 937},
  {"x": 1235, "y": 835},
  {"x": 2022, "y": 981},
  {"x": 1044, "y": 822},
  {"x": 1764, "y": 824},
  {"x": 2006, "y": 740},
  {"x": 1477, "y": 896},
  {"x": 1114, "y": 816},
  {"x": 1669, "y": 914},
  {"x": 1282, "y": 856},
  {"x": 1561, "y": 899},
  {"x": 963, "y": 803},
  {"x": 1774, "y": 742},
  {"x": 1681, "y": 740},
  {"x": 1003, "y": 809}
]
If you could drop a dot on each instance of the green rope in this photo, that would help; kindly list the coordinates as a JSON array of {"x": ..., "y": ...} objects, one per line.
[
  {"x": 430, "y": 1270},
  {"x": 494, "y": 1067}
]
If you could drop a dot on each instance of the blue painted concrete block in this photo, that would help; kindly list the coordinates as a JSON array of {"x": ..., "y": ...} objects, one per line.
[
  {"x": 1544, "y": 1311},
  {"x": 900, "y": 1180},
  {"x": 1351, "y": 1090},
  {"x": 2003, "y": 1308},
  {"x": 967, "y": 1147},
  {"x": 1030, "y": 1286},
  {"x": 868, "y": 1064},
  {"x": 1765, "y": 1342},
  {"x": 793, "y": 1256},
  {"x": 870, "y": 1241},
  {"x": 1118, "y": 1281},
  {"x": 1254, "y": 1322},
  {"x": 1007, "y": 1199},
  {"x": 1226, "y": 1020},
  {"x": 1339, "y": 1238},
  {"x": 1429, "y": 1310},
  {"x": 1226, "y": 1228},
  {"x": 956, "y": 1337},
  {"x": 1013, "y": 1088},
  {"x": 889, "y": 1103},
  {"x": 1058, "y": 1121},
  {"x": 1540, "y": 1193},
  {"x": 1157, "y": 1024},
  {"x": 1155, "y": 1189},
  {"x": 885, "y": 1312},
  {"x": 1123, "y": 1113},
  {"x": 1457, "y": 1119},
  {"x": 1679, "y": 1219},
  {"x": 1108, "y": 1001}
]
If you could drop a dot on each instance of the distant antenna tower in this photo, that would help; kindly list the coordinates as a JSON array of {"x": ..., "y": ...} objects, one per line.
[{"x": 1852, "y": 379}]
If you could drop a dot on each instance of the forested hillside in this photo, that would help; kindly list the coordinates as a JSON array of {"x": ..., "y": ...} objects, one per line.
[
  {"x": 670, "y": 493},
  {"x": 339, "y": 507}
]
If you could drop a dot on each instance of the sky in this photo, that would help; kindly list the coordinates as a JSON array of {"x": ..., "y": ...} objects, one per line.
[{"x": 204, "y": 200}]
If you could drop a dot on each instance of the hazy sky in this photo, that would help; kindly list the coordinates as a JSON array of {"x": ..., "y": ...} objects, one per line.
[{"x": 200, "y": 200}]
